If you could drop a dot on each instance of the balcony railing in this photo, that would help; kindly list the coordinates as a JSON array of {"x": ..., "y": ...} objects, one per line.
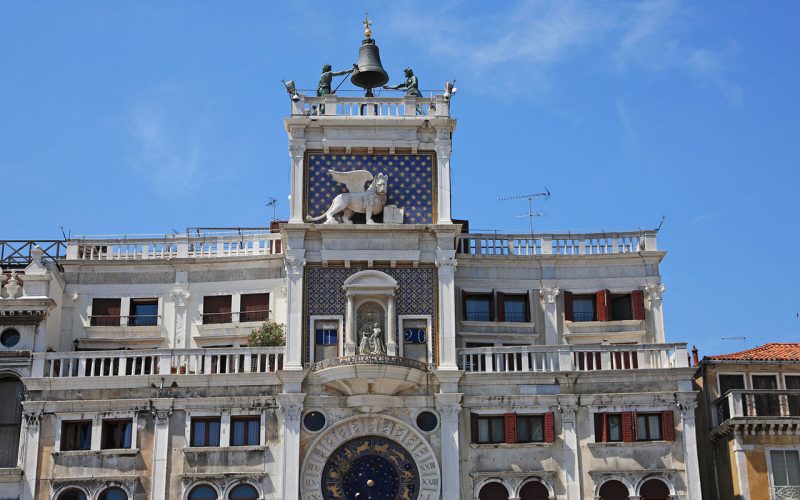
[
  {"x": 785, "y": 492},
  {"x": 221, "y": 318},
  {"x": 572, "y": 358},
  {"x": 82, "y": 364},
  {"x": 17, "y": 253},
  {"x": 133, "y": 320},
  {"x": 173, "y": 246},
  {"x": 357, "y": 107},
  {"x": 557, "y": 244},
  {"x": 738, "y": 403}
]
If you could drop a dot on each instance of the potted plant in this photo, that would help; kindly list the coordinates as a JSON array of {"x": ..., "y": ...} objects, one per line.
[
  {"x": 182, "y": 368},
  {"x": 269, "y": 334}
]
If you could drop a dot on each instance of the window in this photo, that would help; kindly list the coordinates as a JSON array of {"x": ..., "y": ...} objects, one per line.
[
  {"x": 766, "y": 405},
  {"x": 72, "y": 494},
  {"x": 512, "y": 428},
  {"x": 243, "y": 492},
  {"x": 785, "y": 468},
  {"x": 254, "y": 307},
  {"x": 604, "y": 306},
  {"x": 203, "y": 492},
  {"x": 216, "y": 309},
  {"x": 530, "y": 429},
  {"x": 729, "y": 382},
  {"x": 621, "y": 307},
  {"x": 478, "y": 307},
  {"x": 493, "y": 491},
  {"x": 514, "y": 307},
  {"x": 583, "y": 308},
  {"x": 793, "y": 384},
  {"x": 326, "y": 332},
  {"x": 648, "y": 427},
  {"x": 10, "y": 337},
  {"x": 116, "y": 434},
  {"x": 607, "y": 427},
  {"x": 113, "y": 493},
  {"x": 314, "y": 421},
  {"x": 246, "y": 431},
  {"x": 205, "y": 431},
  {"x": 105, "y": 312},
  {"x": 76, "y": 435},
  {"x": 491, "y": 429},
  {"x": 144, "y": 312},
  {"x": 10, "y": 420}
]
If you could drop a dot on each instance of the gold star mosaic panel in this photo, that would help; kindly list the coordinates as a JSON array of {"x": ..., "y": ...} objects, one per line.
[{"x": 411, "y": 181}]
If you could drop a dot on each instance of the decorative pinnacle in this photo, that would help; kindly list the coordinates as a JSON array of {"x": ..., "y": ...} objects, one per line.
[{"x": 367, "y": 23}]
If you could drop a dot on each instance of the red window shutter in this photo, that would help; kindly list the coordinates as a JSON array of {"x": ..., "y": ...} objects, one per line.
[
  {"x": 568, "y": 315},
  {"x": 511, "y": 428},
  {"x": 473, "y": 427},
  {"x": 627, "y": 426},
  {"x": 501, "y": 306},
  {"x": 667, "y": 425},
  {"x": 635, "y": 419},
  {"x": 637, "y": 303},
  {"x": 600, "y": 306},
  {"x": 549, "y": 428},
  {"x": 605, "y": 427}
]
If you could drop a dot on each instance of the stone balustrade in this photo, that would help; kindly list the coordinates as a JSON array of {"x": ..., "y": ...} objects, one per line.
[
  {"x": 81, "y": 364},
  {"x": 359, "y": 107},
  {"x": 568, "y": 358},
  {"x": 557, "y": 244},
  {"x": 768, "y": 403},
  {"x": 175, "y": 246}
]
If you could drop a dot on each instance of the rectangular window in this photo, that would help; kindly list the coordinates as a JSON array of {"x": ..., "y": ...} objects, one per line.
[
  {"x": 730, "y": 382},
  {"x": 478, "y": 307},
  {"x": 105, "y": 312},
  {"x": 326, "y": 336},
  {"x": 245, "y": 431},
  {"x": 76, "y": 435},
  {"x": 621, "y": 307},
  {"x": 144, "y": 312},
  {"x": 583, "y": 308},
  {"x": 116, "y": 434},
  {"x": 216, "y": 309},
  {"x": 793, "y": 384},
  {"x": 785, "y": 468},
  {"x": 648, "y": 427},
  {"x": 766, "y": 405},
  {"x": 530, "y": 428},
  {"x": 254, "y": 307},
  {"x": 491, "y": 429},
  {"x": 607, "y": 427},
  {"x": 515, "y": 308},
  {"x": 205, "y": 431}
]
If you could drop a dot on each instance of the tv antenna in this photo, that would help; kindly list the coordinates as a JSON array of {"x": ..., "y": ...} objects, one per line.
[
  {"x": 273, "y": 202},
  {"x": 743, "y": 339},
  {"x": 530, "y": 197}
]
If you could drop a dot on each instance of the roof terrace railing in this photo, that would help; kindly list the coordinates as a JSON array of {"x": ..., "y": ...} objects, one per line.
[
  {"x": 557, "y": 243},
  {"x": 17, "y": 253},
  {"x": 362, "y": 107}
]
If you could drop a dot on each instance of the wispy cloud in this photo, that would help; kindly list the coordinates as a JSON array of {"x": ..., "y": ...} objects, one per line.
[{"x": 630, "y": 132}]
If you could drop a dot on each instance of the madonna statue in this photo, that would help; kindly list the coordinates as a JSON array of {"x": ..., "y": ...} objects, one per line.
[{"x": 371, "y": 342}]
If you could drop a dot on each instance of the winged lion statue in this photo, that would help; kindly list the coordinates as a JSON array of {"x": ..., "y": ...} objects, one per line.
[{"x": 358, "y": 199}]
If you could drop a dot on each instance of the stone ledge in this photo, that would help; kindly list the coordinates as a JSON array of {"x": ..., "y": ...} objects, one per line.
[
  {"x": 219, "y": 449},
  {"x": 87, "y": 453},
  {"x": 10, "y": 474},
  {"x": 620, "y": 444},
  {"x": 507, "y": 446}
]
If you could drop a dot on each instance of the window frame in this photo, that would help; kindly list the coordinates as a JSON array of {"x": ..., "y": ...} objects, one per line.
[
  {"x": 769, "y": 450},
  {"x": 617, "y": 296},
  {"x": 526, "y": 312},
  {"x": 466, "y": 296},
  {"x": 206, "y": 419},
  {"x": 107, "y": 319},
  {"x": 312, "y": 344},
  {"x": 133, "y": 302},
  {"x": 744, "y": 376},
  {"x": 490, "y": 418},
  {"x": 592, "y": 298},
  {"x": 206, "y": 317},
  {"x": 243, "y": 314},
  {"x": 539, "y": 416},
  {"x": 72, "y": 423},
  {"x": 659, "y": 426},
  {"x": 104, "y": 433},
  {"x": 401, "y": 319},
  {"x": 244, "y": 418}
]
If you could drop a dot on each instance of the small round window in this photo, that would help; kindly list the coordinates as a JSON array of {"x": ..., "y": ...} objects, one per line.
[
  {"x": 427, "y": 421},
  {"x": 314, "y": 421},
  {"x": 9, "y": 338}
]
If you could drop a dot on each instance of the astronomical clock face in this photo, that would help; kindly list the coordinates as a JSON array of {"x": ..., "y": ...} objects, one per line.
[{"x": 370, "y": 468}]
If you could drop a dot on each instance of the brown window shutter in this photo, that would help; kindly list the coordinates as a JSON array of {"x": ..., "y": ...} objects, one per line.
[
  {"x": 627, "y": 426},
  {"x": 599, "y": 427},
  {"x": 528, "y": 306},
  {"x": 605, "y": 427},
  {"x": 635, "y": 419},
  {"x": 667, "y": 425},
  {"x": 255, "y": 302},
  {"x": 511, "y": 428},
  {"x": 501, "y": 306},
  {"x": 473, "y": 427},
  {"x": 637, "y": 303},
  {"x": 549, "y": 428},
  {"x": 568, "y": 315}
]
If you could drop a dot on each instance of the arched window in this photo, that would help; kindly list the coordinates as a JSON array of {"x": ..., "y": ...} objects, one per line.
[
  {"x": 113, "y": 493},
  {"x": 243, "y": 492},
  {"x": 613, "y": 490},
  {"x": 72, "y": 494},
  {"x": 654, "y": 489},
  {"x": 493, "y": 491},
  {"x": 10, "y": 419},
  {"x": 203, "y": 492},
  {"x": 534, "y": 490}
]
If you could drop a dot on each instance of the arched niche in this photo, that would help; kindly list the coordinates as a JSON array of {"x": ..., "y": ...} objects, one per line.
[{"x": 370, "y": 299}]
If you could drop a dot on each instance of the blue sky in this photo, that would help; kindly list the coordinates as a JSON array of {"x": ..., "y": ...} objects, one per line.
[{"x": 143, "y": 117}]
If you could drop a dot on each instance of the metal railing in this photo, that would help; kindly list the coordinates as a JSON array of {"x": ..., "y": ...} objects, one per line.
[
  {"x": 738, "y": 403},
  {"x": 118, "y": 320},
  {"x": 785, "y": 493},
  {"x": 557, "y": 244},
  {"x": 82, "y": 364},
  {"x": 336, "y": 105},
  {"x": 572, "y": 358},
  {"x": 221, "y": 318},
  {"x": 17, "y": 253}
]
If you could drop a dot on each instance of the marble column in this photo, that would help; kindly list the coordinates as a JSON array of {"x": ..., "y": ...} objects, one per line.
[
  {"x": 295, "y": 266},
  {"x": 350, "y": 328},
  {"x": 160, "y": 452},
  {"x": 443, "y": 149},
  {"x": 449, "y": 406},
  {"x": 291, "y": 406},
  {"x": 179, "y": 298},
  {"x": 446, "y": 266},
  {"x": 569, "y": 435},
  {"x": 391, "y": 340},
  {"x": 297, "y": 149},
  {"x": 549, "y": 296},
  {"x": 654, "y": 293},
  {"x": 30, "y": 455},
  {"x": 689, "y": 438}
]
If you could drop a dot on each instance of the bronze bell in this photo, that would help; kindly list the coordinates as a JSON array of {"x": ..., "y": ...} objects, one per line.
[{"x": 370, "y": 73}]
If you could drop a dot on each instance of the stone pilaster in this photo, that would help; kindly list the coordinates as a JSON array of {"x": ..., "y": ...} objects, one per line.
[
  {"x": 444, "y": 147},
  {"x": 689, "y": 438},
  {"x": 569, "y": 436},
  {"x": 446, "y": 266},
  {"x": 654, "y": 293},
  {"x": 740, "y": 459},
  {"x": 179, "y": 298},
  {"x": 160, "y": 452},
  {"x": 549, "y": 298},
  {"x": 449, "y": 406},
  {"x": 291, "y": 407},
  {"x": 297, "y": 150},
  {"x": 295, "y": 266},
  {"x": 30, "y": 456}
]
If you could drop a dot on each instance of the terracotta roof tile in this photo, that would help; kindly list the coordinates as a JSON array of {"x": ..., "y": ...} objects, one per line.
[{"x": 773, "y": 351}]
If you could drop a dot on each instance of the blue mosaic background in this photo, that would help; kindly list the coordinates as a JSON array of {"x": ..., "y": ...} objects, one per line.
[{"x": 410, "y": 181}]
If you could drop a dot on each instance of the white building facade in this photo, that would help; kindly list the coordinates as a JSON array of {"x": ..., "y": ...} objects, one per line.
[{"x": 421, "y": 361}]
